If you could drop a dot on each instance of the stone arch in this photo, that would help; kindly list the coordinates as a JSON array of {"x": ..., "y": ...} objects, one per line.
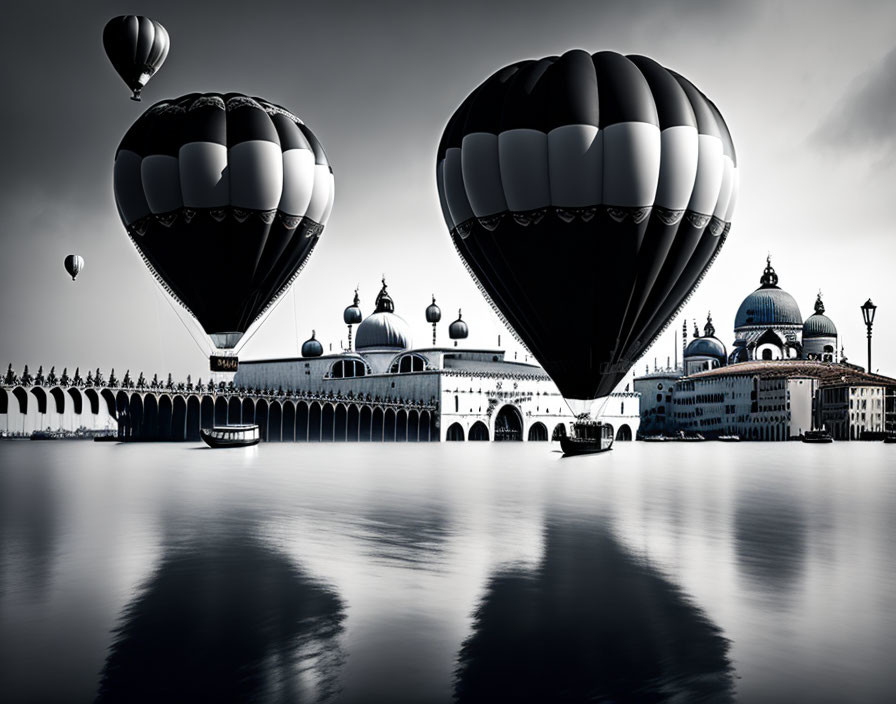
[
  {"x": 122, "y": 412},
  {"x": 166, "y": 416},
  {"x": 401, "y": 426},
  {"x": 150, "y": 417},
  {"x": 624, "y": 434},
  {"x": 207, "y": 412},
  {"x": 378, "y": 425},
  {"x": 478, "y": 431},
  {"x": 4, "y": 401},
  {"x": 220, "y": 411},
  {"x": 413, "y": 426},
  {"x": 234, "y": 411},
  {"x": 354, "y": 423},
  {"x": 247, "y": 411},
  {"x": 289, "y": 421},
  {"x": 340, "y": 423},
  {"x": 77, "y": 400},
  {"x": 59, "y": 399},
  {"x": 135, "y": 411},
  {"x": 538, "y": 432},
  {"x": 261, "y": 418},
  {"x": 301, "y": 422},
  {"x": 109, "y": 398},
  {"x": 327, "y": 420},
  {"x": 559, "y": 431},
  {"x": 275, "y": 422},
  {"x": 194, "y": 417},
  {"x": 426, "y": 429},
  {"x": 94, "y": 399},
  {"x": 22, "y": 397},
  {"x": 366, "y": 423},
  {"x": 455, "y": 433},
  {"x": 508, "y": 424},
  {"x": 314, "y": 422},
  {"x": 389, "y": 425},
  {"x": 179, "y": 418}
]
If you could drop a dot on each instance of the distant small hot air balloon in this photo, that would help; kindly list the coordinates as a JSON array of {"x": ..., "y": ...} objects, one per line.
[
  {"x": 137, "y": 47},
  {"x": 73, "y": 265}
]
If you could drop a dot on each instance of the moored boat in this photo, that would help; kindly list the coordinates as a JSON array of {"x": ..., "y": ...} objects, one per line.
[
  {"x": 729, "y": 438},
  {"x": 230, "y": 436},
  {"x": 654, "y": 438},
  {"x": 817, "y": 436},
  {"x": 588, "y": 436}
]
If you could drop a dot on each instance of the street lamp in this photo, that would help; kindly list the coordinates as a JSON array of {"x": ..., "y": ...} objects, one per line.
[{"x": 868, "y": 310}]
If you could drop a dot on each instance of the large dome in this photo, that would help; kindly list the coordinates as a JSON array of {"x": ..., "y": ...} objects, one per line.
[
  {"x": 383, "y": 330},
  {"x": 768, "y": 305}
]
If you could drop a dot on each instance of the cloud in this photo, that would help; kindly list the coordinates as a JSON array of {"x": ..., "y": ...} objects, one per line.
[{"x": 865, "y": 116}]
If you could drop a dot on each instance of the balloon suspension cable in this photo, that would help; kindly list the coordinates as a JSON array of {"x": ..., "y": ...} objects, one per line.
[
  {"x": 204, "y": 350},
  {"x": 266, "y": 313}
]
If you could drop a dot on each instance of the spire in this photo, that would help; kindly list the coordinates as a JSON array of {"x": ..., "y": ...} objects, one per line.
[
  {"x": 708, "y": 329},
  {"x": 769, "y": 277},
  {"x": 696, "y": 330},
  {"x": 384, "y": 302},
  {"x": 819, "y": 305}
]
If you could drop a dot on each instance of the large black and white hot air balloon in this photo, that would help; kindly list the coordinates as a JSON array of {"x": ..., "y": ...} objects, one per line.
[
  {"x": 587, "y": 195},
  {"x": 73, "y": 264},
  {"x": 137, "y": 47},
  {"x": 224, "y": 197}
]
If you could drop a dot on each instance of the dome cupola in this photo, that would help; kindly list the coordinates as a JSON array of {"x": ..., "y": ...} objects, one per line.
[
  {"x": 708, "y": 345},
  {"x": 818, "y": 324},
  {"x": 433, "y": 312},
  {"x": 382, "y": 329},
  {"x": 768, "y": 306},
  {"x": 458, "y": 330},
  {"x": 311, "y": 347},
  {"x": 352, "y": 314}
]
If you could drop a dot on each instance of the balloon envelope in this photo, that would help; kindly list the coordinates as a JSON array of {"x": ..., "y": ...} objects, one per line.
[
  {"x": 137, "y": 47},
  {"x": 74, "y": 263},
  {"x": 225, "y": 197},
  {"x": 587, "y": 195}
]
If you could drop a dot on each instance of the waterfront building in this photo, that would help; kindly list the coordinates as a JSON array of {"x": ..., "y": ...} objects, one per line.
[
  {"x": 783, "y": 377},
  {"x": 381, "y": 389}
]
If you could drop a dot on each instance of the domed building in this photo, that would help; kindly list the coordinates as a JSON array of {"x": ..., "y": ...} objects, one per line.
[
  {"x": 703, "y": 353},
  {"x": 819, "y": 335},
  {"x": 768, "y": 324},
  {"x": 382, "y": 333}
]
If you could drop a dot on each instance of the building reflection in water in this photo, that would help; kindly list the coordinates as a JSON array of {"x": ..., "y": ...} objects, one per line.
[
  {"x": 590, "y": 623},
  {"x": 226, "y": 618},
  {"x": 770, "y": 542}
]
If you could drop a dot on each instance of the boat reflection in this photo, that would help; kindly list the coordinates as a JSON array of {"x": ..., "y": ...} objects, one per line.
[
  {"x": 590, "y": 623},
  {"x": 226, "y": 618}
]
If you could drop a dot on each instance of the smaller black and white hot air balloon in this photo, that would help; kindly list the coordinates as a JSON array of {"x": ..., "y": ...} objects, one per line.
[
  {"x": 73, "y": 265},
  {"x": 137, "y": 47}
]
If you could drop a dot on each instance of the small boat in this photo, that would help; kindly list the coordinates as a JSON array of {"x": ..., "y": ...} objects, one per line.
[
  {"x": 683, "y": 437},
  {"x": 588, "y": 436},
  {"x": 729, "y": 438},
  {"x": 654, "y": 438},
  {"x": 817, "y": 436},
  {"x": 43, "y": 435},
  {"x": 230, "y": 435}
]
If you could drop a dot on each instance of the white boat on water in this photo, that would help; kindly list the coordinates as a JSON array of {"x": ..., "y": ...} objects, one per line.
[{"x": 230, "y": 436}]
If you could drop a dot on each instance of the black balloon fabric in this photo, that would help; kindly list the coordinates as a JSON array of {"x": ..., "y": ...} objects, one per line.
[
  {"x": 137, "y": 47},
  {"x": 225, "y": 197},
  {"x": 587, "y": 195}
]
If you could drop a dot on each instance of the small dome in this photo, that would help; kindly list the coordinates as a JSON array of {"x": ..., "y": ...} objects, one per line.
[
  {"x": 352, "y": 314},
  {"x": 458, "y": 330},
  {"x": 433, "y": 312},
  {"x": 311, "y": 347},
  {"x": 818, "y": 324},
  {"x": 707, "y": 347},
  {"x": 768, "y": 305}
]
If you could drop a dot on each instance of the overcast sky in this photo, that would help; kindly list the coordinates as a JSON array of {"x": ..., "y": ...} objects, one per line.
[{"x": 808, "y": 90}]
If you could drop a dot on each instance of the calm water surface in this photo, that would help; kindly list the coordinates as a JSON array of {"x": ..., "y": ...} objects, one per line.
[{"x": 430, "y": 573}]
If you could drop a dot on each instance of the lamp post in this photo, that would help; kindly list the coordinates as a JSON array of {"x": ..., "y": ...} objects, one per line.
[{"x": 868, "y": 310}]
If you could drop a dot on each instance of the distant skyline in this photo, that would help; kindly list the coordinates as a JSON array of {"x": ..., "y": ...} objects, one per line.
[{"x": 808, "y": 90}]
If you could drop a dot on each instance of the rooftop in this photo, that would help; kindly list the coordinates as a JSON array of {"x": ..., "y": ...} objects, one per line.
[{"x": 828, "y": 373}]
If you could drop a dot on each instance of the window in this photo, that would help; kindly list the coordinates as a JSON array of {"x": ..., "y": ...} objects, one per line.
[
  {"x": 347, "y": 369},
  {"x": 408, "y": 363}
]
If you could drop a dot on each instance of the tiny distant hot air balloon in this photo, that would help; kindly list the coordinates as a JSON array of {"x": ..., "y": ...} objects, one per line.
[
  {"x": 73, "y": 265},
  {"x": 587, "y": 194},
  {"x": 137, "y": 47}
]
